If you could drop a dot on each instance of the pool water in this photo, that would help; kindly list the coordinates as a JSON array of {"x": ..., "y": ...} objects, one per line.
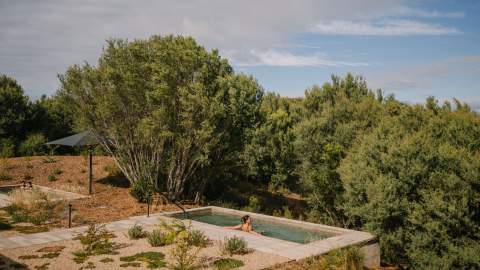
[{"x": 270, "y": 229}]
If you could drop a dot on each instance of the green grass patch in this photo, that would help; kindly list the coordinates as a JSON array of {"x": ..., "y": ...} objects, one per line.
[
  {"x": 152, "y": 258},
  {"x": 28, "y": 257},
  {"x": 31, "y": 229},
  {"x": 106, "y": 260},
  {"x": 131, "y": 264},
  {"x": 52, "y": 249},
  {"x": 42, "y": 267},
  {"x": 50, "y": 255},
  {"x": 227, "y": 263}
]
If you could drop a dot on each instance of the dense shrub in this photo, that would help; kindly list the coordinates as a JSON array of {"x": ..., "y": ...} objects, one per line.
[
  {"x": 142, "y": 190},
  {"x": 197, "y": 238},
  {"x": 415, "y": 182},
  {"x": 95, "y": 241},
  {"x": 33, "y": 145},
  {"x": 227, "y": 264}
]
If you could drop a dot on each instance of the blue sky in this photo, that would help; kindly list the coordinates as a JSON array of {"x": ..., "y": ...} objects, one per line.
[{"x": 413, "y": 49}]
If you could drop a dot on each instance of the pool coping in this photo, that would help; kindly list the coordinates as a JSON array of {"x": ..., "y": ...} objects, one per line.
[{"x": 295, "y": 251}]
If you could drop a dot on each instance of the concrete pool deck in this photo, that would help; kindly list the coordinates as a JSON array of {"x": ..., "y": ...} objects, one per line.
[{"x": 290, "y": 250}]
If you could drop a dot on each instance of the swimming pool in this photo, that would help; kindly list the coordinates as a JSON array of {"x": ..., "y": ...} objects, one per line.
[{"x": 266, "y": 228}]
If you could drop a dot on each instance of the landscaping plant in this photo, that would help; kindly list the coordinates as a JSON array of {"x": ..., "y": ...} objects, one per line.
[
  {"x": 234, "y": 245},
  {"x": 95, "y": 241},
  {"x": 136, "y": 232},
  {"x": 227, "y": 263}
]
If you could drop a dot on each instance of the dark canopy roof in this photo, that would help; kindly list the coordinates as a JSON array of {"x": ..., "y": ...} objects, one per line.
[{"x": 83, "y": 138}]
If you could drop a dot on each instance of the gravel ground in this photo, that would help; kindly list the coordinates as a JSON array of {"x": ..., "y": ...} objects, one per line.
[{"x": 253, "y": 260}]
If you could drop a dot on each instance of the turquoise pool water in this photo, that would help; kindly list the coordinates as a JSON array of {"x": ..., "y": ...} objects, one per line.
[{"x": 270, "y": 229}]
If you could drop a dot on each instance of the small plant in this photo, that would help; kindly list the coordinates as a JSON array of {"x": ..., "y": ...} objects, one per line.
[
  {"x": 227, "y": 263},
  {"x": 5, "y": 176},
  {"x": 31, "y": 229},
  {"x": 348, "y": 258},
  {"x": 50, "y": 255},
  {"x": 52, "y": 178},
  {"x": 95, "y": 241},
  {"x": 153, "y": 259},
  {"x": 254, "y": 204},
  {"x": 90, "y": 265},
  {"x": 156, "y": 238},
  {"x": 131, "y": 264},
  {"x": 234, "y": 245},
  {"x": 184, "y": 254},
  {"x": 49, "y": 158},
  {"x": 142, "y": 190},
  {"x": 42, "y": 267},
  {"x": 106, "y": 260},
  {"x": 28, "y": 257},
  {"x": 57, "y": 171},
  {"x": 112, "y": 170},
  {"x": 52, "y": 249},
  {"x": 197, "y": 238},
  {"x": 136, "y": 232}
]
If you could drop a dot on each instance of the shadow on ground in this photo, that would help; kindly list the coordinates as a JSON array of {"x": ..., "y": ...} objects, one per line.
[{"x": 7, "y": 263}]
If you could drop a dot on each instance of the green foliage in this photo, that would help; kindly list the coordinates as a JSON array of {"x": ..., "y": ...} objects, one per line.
[
  {"x": 184, "y": 254},
  {"x": 95, "y": 241},
  {"x": 153, "y": 259},
  {"x": 185, "y": 108},
  {"x": 349, "y": 258},
  {"x": 107, "y": 260},
  {"x": 227, "y": 264},
  {"x": 142, "y": 190},
  {"x": 254, "y": 204},
  {"x": 414, "y": 181},
  {"x": 131, "y": 264},
  {"x": 42, "y": 266},
  {"x": 28, "y": 257},
  {"x": 13, "y": 109},
  {"x": 234, "y": 245},
  {"x": 136, "y": 232},
  {"x": 52, "y": 177},
  {"x": 158, "y": 238},
  {"x": 57, "y": 171},
  {"x": 4, "y": 225},
  {"x": 198, "y": 238},
  {"x": 33, "y": 145}
]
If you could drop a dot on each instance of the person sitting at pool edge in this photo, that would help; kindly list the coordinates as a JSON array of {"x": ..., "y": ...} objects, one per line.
[{"x": 246, "y": 225}]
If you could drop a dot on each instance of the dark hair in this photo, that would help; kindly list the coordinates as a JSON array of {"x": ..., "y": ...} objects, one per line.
[{"x": 245, "y": 218}]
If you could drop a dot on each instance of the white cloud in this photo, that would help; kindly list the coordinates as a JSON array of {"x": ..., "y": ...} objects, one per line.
[
  {"x": 384, "y": 28},
  {"x": 284, "y": 59},
  {"x": 412, "y": 12}
]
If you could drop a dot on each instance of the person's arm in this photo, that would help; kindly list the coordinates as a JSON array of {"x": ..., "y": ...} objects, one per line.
[{"x": 238, "y": 227}]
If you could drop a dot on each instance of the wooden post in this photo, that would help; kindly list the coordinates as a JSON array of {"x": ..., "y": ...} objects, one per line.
[
  {"x": 90, "y": 173},
  {"x": 69, "y": 215},
  {"x": 148, "y": 206}
]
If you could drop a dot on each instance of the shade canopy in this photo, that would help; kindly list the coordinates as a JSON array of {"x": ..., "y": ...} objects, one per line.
[{"x": 80, "y": 139}]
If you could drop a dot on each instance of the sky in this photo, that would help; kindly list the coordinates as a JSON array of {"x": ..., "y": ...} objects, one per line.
[{"x": 412, "y": 49}]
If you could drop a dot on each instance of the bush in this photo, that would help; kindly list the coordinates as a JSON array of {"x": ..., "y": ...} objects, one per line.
[
  {"x": 7, "y": 148},
  {"x": 95, "y": 241},
  {"x": 57, "y": 171},
  {"x": 52, "y": 178},
  {"x": 112, "y": 170},
  {"x": 227, "y": 263},
  {"x": 348, "y": 258},
  {"x": 157, "y": 238},
  {"x": 141, "y": 190},
  {"x": 197, "y": 238},
  {"x": 33, "y": 145},
  {"x": 136, "y": 232},
  {"x": 234, "y": 245},
  {"x": 4, "y": 225},
  {"x": 254, "y": 204},
  {"x": 184, "y": 254}
]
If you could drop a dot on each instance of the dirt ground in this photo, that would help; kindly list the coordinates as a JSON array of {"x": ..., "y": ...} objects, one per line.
[
  {"x": 111, "y": 199},
  {"x": 253, "y": 260}
]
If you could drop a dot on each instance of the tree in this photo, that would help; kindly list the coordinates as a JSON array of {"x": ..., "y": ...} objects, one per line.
[
  {"x": 160, "y": 106},
  {"x": 414, "y": 182},
  {"x": 13, "y": 112}
]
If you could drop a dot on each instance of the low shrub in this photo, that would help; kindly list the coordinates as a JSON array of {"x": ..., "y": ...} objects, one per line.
[
  {"x": 184, "y": 254},
  {"x": 51, "y": 249},
  {"x": 347, "y": 258},
  {"x": 254, "y": 204},
  {"x": 142, "y": 190},
  {"x": 153, "y": 259},
  {"x": 50, "y": 255},
  {"x": 171, "y": 230},
  {"x": 198, "y": 238},
  {"x": 227, "y": 263},
  {"x": 112, "y": 170},
  {"x": 28, "y": 257},
  {"x": 52, "y": 178},
  {"x": 57, "y": 171},
  {"x": 30, "y": 229},
  {"x": 234, "y": 245},
  {"x": 5, "y": 176},
  {"x": 131, "y": 264},
  {"x": 95, "y": 241},
  {"x": 33, "y": 145},
  {"x": 42, "y": 266},
  {"x": 157, "y": 238},
  {"x": 136, "y": 232}
]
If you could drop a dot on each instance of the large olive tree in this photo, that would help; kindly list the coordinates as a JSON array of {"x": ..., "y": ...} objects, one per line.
[{"x": 160, "y": 106}]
